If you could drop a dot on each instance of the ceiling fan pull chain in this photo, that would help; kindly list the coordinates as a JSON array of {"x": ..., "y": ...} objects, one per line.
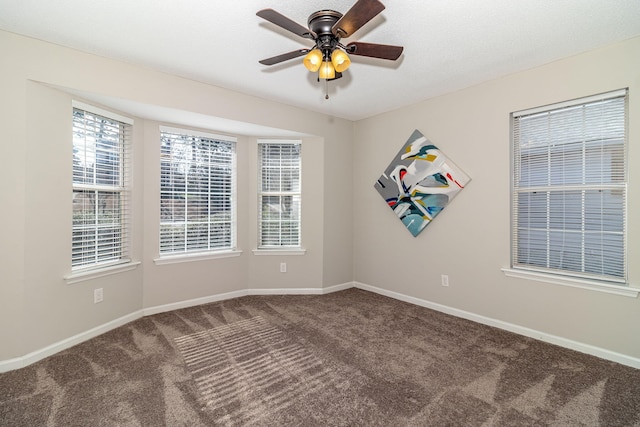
[{"x": 326, "y": 88}]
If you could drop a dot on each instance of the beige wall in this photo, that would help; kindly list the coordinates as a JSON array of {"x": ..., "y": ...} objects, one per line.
[
  {"x": 469, "y": 241},
  {"x": 37, "y": 307},
  {"x": 12, "y": 200},
  {"x": 348, "y": 231},
  {"x": 303, "y": 271},
  {"x": 50, "y": 306}
]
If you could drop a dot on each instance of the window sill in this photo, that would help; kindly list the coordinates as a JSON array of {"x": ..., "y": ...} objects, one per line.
[
  {"x": 198, "y": 256},
  {"x": 279, "y": 252},
  {"x": 81, "y": 276},
  {"x": 573, "y": 282}
]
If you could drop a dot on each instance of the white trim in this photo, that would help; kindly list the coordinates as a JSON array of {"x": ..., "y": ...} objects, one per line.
[
  {"x": 196, "y": 256},
  {"x": 575, "y": 187},
  {"x": 545, "y": 108},
  {"x": 91, "y": 187},
  {"x": 339, "y": 287},
  {"x": 574, "y": 282},
  {"x": 286, "y": 291},
  {"x": 278, "y": 251},
  {"x": 244, "y": 292},
  {"x": 279, "y": 141},
  {"x": 82, "y": 275},
  {"x": 301, "y": 291},
  {"x": 191, "y": 132},
  {"x": 35, "y": 356},
  {"x": 521, "y": 330},
  {"x": 100, "y": 112},
  {"x": 193, "y": 302},
  {"x": 20, "y": 362}
]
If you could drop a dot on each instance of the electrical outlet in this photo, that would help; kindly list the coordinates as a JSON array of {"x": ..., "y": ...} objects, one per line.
[
  {"x": 283, "y": 267},
  {"x": 445, "y": 280},
  {"x": 97, "y": 295}
]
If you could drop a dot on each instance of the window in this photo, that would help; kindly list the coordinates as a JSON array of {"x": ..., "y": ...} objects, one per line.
[
  {"x": 279, "y": 194},
  {"x": 569, "y": 189},
  {"x": 100, "y": 190},
  {"x": 197, "y": 192}
]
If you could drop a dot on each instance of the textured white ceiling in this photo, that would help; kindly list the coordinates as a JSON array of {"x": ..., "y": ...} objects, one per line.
[{"x": 449, "y": 44}]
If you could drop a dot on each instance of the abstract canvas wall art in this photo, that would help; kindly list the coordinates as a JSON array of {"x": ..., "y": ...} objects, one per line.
[{"x": 420, "y": 182}]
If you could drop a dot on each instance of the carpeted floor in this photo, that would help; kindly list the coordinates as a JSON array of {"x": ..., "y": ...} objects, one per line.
[{"x": 350, "y": 358}]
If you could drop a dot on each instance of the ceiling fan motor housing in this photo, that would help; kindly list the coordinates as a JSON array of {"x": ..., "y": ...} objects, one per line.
[{"x": 321, "y": 23}]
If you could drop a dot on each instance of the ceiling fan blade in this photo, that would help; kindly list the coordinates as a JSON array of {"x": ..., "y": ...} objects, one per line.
[
  {"x": 286, "y": 23},
  {"x": 284, "y": 57},
  {"x": 360, "y": 13},
  {"x": 374, "y": 50}
]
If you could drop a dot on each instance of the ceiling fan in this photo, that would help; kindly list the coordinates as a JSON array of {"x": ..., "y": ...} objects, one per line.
[{"x": 329, "y": 57}]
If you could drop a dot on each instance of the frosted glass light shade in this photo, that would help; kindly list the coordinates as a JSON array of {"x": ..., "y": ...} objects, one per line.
[
  {"x": 313, "y": 60},
  {"x": 340, "y": 60},
  {"x": 327, "y": 71}
]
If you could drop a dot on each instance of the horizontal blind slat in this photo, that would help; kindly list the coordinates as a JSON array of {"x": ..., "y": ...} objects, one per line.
[
  {"x": 197, "y": 192},
  {"x": 101, "y": 161},
  {"x": 569, "y": 191},
  {"x": 280, "y": 198}
]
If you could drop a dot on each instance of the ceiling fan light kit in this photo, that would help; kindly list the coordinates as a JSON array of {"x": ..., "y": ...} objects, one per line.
[
  {"x": 313, "y": 60},
  {"x": 340, "y": 60},
  {"x": 327, "y": 71},
  {"x": 326, "y": 27}
]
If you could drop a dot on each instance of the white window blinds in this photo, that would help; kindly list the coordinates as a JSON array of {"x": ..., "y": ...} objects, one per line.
[
  {"x": 280, "y": 194},
  {"x": 100, "y": 190},
  {"x": 197, "y": 192},
  {"x": 569, "y": 188}
]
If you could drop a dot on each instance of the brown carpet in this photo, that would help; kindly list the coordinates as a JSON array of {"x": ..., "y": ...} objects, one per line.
[{"x": 351, "y": 358}]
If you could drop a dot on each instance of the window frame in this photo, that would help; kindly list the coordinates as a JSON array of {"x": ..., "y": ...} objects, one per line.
[
  {"x": 88, "y": 270},
  {"x": 282, "y": 249},
  {"x": 599, "y": 282},
  {"x": 197, "y": 254}
]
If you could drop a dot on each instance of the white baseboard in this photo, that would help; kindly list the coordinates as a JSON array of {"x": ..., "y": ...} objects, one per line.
[
  {"x": 336, "y": 288},
  {"x": 34, "y": 356},
  {"x": 302, "y": 291},
  {"x": 521, "y": 330},
  {"x": 20, "y": 362},
  {"x": 286, "y": 291},
  {"x": 236, "y": 294},
  {"x": 193, "y": 302}
]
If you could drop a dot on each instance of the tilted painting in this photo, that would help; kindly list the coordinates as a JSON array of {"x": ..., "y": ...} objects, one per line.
[{"x": 420, "y": 182}]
